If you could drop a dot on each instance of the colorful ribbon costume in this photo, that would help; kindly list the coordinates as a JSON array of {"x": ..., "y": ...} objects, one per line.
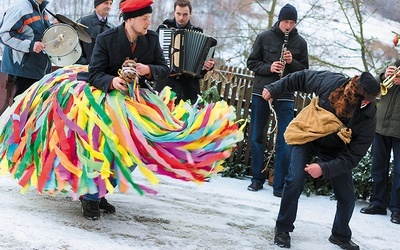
[{"x": 63, "y": 134}]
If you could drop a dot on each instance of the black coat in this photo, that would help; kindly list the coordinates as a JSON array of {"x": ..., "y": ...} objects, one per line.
[
  {"x": 94, "y": 28},
  {"x": 111, "y": 50},
  {"x": 267, "y": 49},
  {"x": 322, "y": 84}
]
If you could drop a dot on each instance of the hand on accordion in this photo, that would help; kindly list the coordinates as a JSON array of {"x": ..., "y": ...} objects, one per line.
[{"x": 208, "y": 65}]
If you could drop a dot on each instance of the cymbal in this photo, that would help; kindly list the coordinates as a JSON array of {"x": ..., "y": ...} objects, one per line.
[{"x": 82, "y": 34}]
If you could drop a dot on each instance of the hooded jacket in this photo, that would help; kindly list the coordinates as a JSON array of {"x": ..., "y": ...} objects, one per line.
[
  {"x": 267, "y": 49},
  {"x": 322, "y": 84},
  {"x": 23, "y": 24}
]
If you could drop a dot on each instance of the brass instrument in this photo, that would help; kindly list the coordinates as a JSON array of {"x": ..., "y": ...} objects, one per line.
[
  {"x": 284, "y": 48},
  {"x": 388, "y": 82}
]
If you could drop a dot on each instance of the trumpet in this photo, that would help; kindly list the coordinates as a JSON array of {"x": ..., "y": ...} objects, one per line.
[{"x": 388, "y": 82}]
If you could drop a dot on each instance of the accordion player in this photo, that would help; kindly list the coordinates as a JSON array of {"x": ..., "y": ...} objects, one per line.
[{"x": 186, "y": 50}]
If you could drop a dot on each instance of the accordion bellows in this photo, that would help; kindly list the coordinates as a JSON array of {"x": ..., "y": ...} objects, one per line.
[
  {"x": 186, "y": 50},
  {"x": 65, "y": 135}
]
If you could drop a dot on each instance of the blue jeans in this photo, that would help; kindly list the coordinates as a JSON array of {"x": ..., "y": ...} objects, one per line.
[
  {"x": 260, "y": 113},
  {"x": 285, "y": 113},
  {"x": 294, "y": 184},
  {"x": 382, "y": 148},
  {"x": 95, "y": 196}
]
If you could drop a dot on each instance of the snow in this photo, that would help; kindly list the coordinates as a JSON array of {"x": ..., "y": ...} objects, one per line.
[{"x": 220, "y": 214}]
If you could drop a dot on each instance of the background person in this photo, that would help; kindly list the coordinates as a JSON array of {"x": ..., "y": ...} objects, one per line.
[
  {"x": 185, "y": 87},
  {"x": 348, "y": 103},
  {"x": 387, "y": 139},
  {"x": 265, "y": 61},
  {"x": 21, "y": 31},
  {"x": 96, "y": 23}
]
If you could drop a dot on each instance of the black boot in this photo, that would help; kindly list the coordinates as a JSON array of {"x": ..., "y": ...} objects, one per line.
[
  {"x": 282, "y": 239},
  {"x": 107, "y": 207},
  {"x": 344, "y": 244},
  {"x": 90, "y": 209}
]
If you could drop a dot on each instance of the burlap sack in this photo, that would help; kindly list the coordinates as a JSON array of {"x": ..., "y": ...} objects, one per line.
[{"x": 314, "y": 122}]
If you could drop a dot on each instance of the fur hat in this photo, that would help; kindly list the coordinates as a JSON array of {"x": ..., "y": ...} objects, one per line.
[
  {"x": 135, "y": 8},
  {"x": 288, "y": 12}
]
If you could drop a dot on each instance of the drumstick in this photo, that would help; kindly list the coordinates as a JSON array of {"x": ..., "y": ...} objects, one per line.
[{"x": 59, "y": 39}]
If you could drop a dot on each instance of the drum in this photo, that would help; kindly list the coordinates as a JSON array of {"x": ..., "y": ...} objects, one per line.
[{"x": 62, "y": 44}]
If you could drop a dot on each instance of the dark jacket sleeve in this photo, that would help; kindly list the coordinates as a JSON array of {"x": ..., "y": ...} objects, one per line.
[
  {"x": 255, "y": 62},
  {"x": 306, "y": 81},
  {"x": 159, "y": 67},
  {"x": 98, "y": 76}
]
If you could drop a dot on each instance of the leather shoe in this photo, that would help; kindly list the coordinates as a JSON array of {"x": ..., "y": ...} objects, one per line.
[
  {"x": 373, "y": 209},
  {"x": 395, "y": 217},
  {"x": 255, "y": 186},
  {"x": 344, "y": 244},
  {"x": 282, "y": 239}
]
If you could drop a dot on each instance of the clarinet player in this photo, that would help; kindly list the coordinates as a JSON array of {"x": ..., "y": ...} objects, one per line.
[{"x": 273, "y": 55}]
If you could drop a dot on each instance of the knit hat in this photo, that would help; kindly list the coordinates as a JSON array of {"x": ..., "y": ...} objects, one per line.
[
  {"x": 288, "y": 12},
  {"x": 97, "y": 2},
  {"x": 135, "y": 8},
  {"x": 369, "y": 84}
]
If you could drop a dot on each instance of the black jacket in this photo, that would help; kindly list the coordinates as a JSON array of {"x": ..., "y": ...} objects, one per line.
[
  {"x": 267, "y": 49},
  {"x": 111, "y": 50},
  {"x": 388, "y": 115},
  {"x": 94, "y": 28},
  {"x": 322, "y": 84}
]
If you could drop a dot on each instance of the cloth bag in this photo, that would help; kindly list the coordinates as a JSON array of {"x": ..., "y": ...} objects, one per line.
[{"x": 314, "y": 122}]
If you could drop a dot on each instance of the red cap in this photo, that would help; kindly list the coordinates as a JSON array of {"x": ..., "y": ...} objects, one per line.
[{"x": 133, "y": 5}]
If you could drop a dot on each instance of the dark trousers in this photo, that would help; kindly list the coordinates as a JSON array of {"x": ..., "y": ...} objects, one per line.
[
  {"x": 21, "y": 84},
  {"x": 294, "y": 184},
  {"x": 383, "y": 146}
]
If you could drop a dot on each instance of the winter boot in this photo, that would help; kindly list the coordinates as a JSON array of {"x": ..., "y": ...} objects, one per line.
[{"x": 106, "y": 207}]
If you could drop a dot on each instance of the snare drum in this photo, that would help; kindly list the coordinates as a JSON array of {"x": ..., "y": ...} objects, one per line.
[{"x": 62, "y": 44}]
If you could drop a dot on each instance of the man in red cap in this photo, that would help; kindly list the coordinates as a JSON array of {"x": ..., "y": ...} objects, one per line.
[{"x": 133, "y": 40}]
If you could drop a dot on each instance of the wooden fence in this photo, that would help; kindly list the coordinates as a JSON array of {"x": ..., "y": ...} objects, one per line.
[{"x": 234, "y": 85}]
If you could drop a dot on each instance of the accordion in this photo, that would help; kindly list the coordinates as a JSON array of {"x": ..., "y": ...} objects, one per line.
[{"x": 186, "y": 50}]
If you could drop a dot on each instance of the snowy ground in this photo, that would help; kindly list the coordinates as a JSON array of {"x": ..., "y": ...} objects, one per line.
[{"x": 220, "y": 214}]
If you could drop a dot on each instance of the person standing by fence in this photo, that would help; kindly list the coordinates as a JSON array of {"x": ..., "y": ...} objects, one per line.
[
  {"x": 269, "y": 62},
  {"x": 387, "y": 138}
]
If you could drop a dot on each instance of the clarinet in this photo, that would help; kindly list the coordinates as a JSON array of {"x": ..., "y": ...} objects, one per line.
[{"x": 284, "y": 48}]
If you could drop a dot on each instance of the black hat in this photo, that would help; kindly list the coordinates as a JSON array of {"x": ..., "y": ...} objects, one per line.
[
  {"x": 97, "y": 2},
  {"x": 369, "y": 84},
  {"x": 288, "y": 12}
]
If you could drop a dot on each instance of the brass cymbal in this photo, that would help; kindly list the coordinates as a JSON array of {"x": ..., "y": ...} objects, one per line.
[{"x": 82, "y": 34}]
